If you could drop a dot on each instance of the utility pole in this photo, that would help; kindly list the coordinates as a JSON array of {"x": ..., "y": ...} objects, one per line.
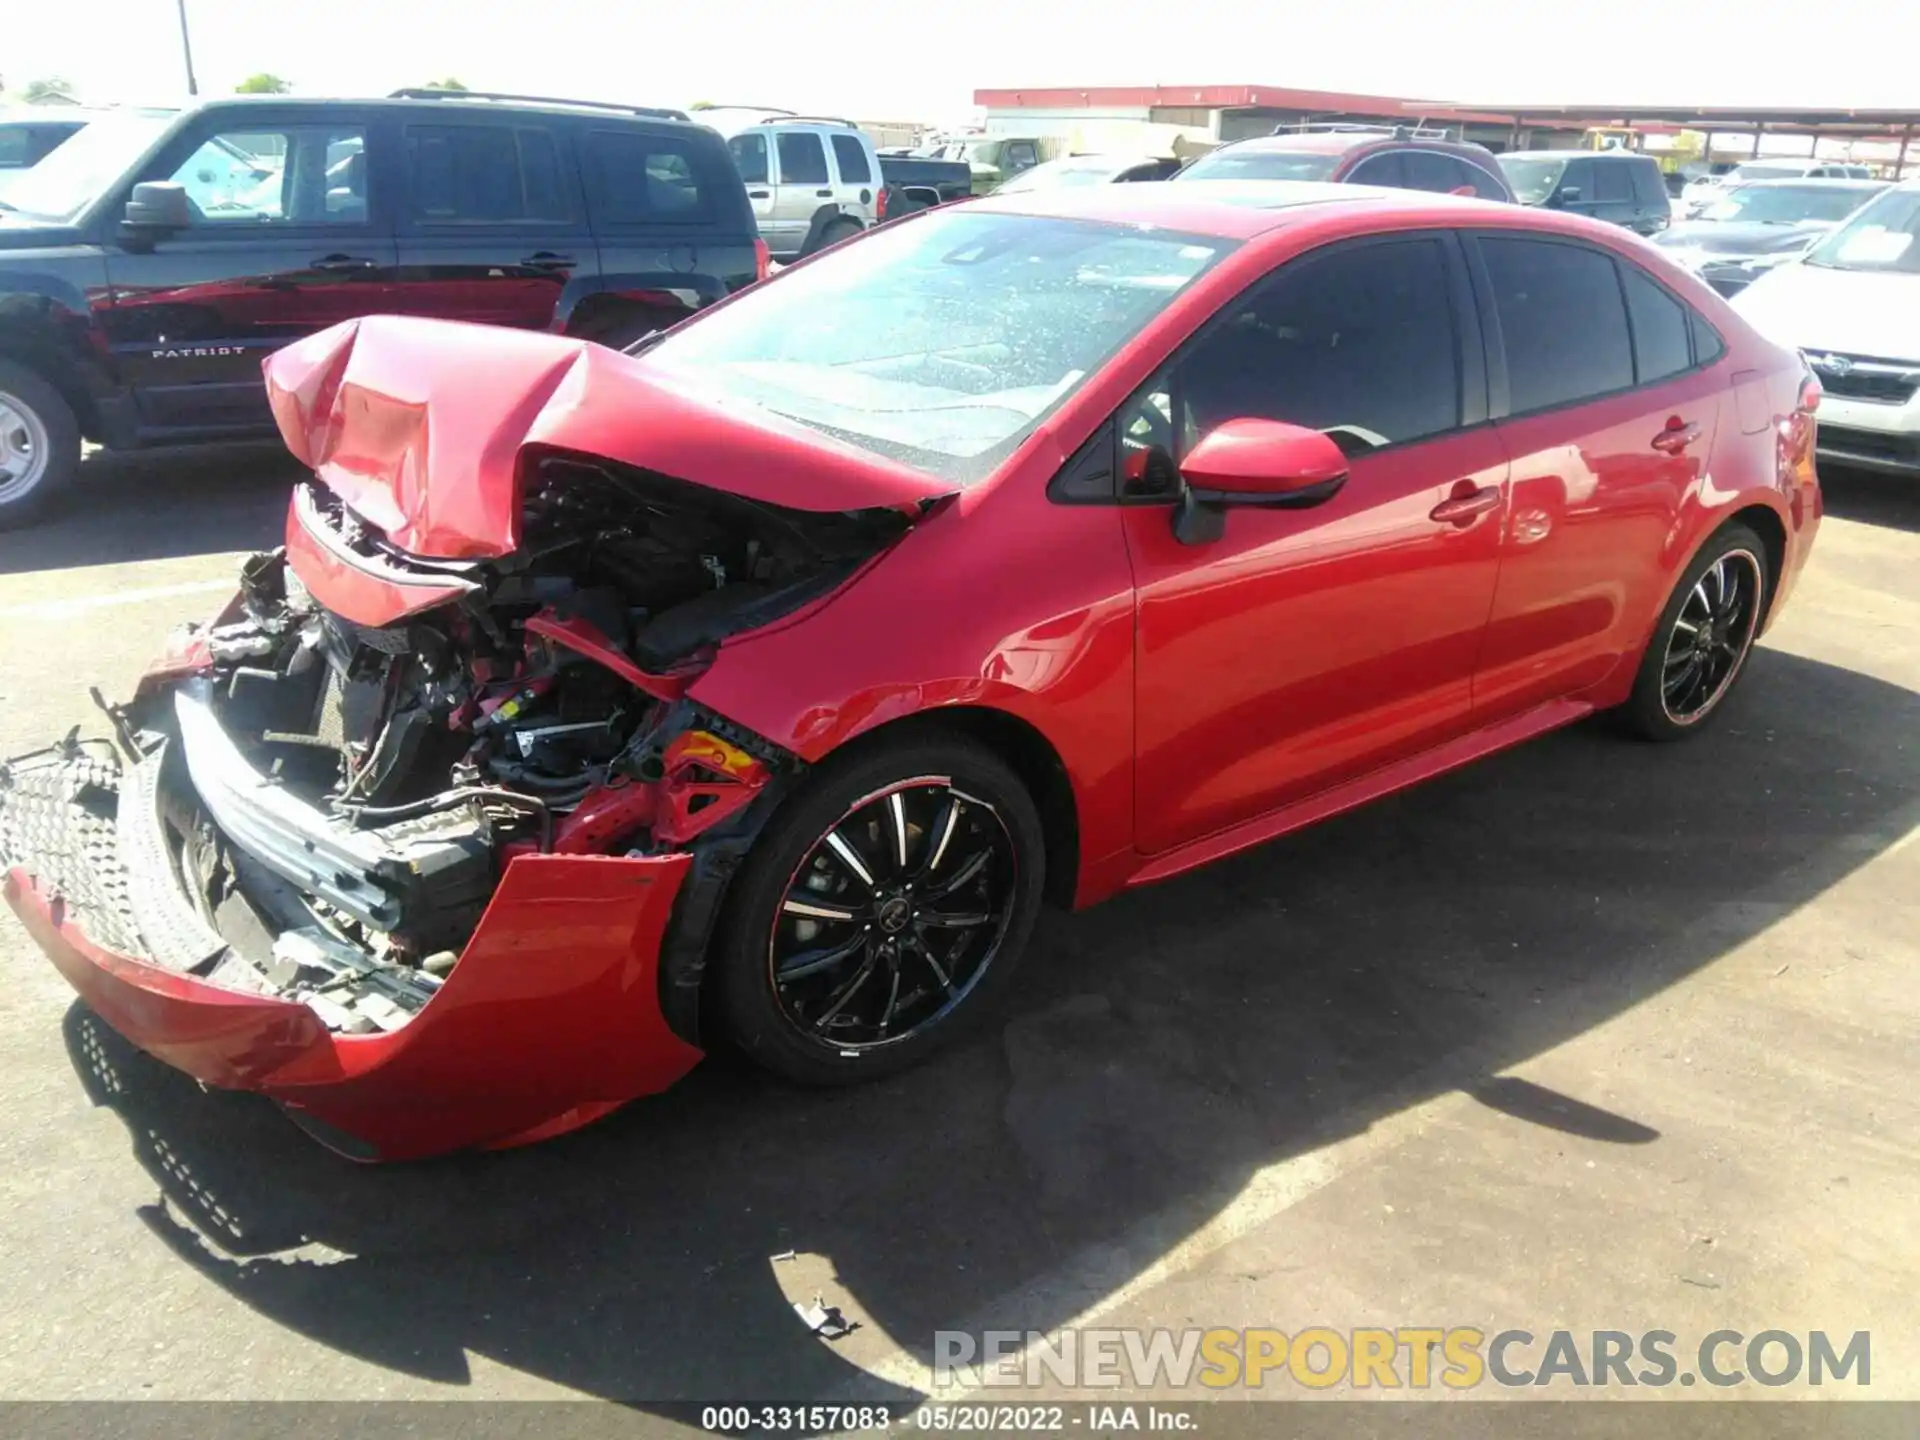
[{"x": 186, "y": 48}]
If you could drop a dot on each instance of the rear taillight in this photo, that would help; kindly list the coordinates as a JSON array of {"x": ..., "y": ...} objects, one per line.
[
  {"x": 762, "y": 259},
  {"x": 880, "y": 205}
]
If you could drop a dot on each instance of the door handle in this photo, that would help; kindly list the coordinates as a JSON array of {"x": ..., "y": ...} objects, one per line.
[
  {"x": 757, "y": 194},
  {"x": 1678, "y": 435},
  {"x": 547, "y": 260},
  {"x": 343, "y": 262},
  {"x": 1467, "y": 503},
  {"x": 824, "y": 194}
]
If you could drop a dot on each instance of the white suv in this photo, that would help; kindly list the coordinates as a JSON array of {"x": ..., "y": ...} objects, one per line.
[
  {"x": 812, "y": 180},
  {"x": 1852, "y": 306}
]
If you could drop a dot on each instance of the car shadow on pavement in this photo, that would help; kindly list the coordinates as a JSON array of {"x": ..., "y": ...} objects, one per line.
[
  {"x": 1892, "y": 501},
  {"x": 1161, "y": 1049},
  {"x": 126, "y": 508}
]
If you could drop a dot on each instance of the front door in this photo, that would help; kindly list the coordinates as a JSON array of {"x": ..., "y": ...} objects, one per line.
[
  {"x": 284, "y": 240},
  {"x": 492, "y": 224},
  {"x": 1305, "y": 647}
]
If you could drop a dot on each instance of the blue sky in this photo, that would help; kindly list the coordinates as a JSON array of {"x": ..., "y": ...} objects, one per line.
[{"x": 911, "y": 59}]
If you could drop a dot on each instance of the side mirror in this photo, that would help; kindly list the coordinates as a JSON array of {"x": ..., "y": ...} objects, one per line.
[
  {"x": 1565, "y": 195},
  {"x": 158, "y": 205},
  {"x": 1266, "y": 463}
]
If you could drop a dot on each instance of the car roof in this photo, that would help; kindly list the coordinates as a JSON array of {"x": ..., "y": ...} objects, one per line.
[
  {"x": 1239, "y": 209},
  {"x": 451, "y": 102},
  {"x": 1814, "y": 182},
  {"x": 1577, "y": 155}
]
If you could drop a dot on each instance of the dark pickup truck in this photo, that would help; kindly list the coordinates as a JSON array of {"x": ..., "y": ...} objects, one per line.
[
  {"x": 135, "y": 311},
  {"x": 916, "y": 182}
]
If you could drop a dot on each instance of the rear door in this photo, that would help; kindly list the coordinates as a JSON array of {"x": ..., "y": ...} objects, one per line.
[
  {"x": 288, "y": 235},
  {"x": 1608, "y": 411},
  {"x": 666, "y": 217},
  {"x": 1653, "y": 211},
  {"x": 802, "y": 184},
  {"x": 1612, "y": 192},
  {"x": 492, "y": 222}
]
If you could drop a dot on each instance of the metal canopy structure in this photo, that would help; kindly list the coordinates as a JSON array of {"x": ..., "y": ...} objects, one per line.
[{"x": 1893, "y": 127}]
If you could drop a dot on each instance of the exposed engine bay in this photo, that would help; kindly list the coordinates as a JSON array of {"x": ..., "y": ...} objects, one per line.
[{"x": 332, "y": 804}]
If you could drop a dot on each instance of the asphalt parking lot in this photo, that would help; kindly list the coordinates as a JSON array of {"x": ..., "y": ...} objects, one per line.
[{"x": 1594, "y": 1034}]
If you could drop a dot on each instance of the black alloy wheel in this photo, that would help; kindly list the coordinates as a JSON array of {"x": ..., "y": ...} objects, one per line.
[
  {"x": 893, "y": 916},
  {"x": 878, "y": 911},
  {"x": 1704, "y": 637}
]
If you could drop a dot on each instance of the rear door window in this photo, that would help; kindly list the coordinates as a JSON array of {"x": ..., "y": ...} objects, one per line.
[
  {"x": 851, "y": 158},
  {"x": 1563, "y": 322},
  {"x": 1381, "y": 169},
  {"x": 484, "y": 174},
  {"x": 803, "y": 159},
  {"x": 1612, "y": 185},
  {"x": 636, "y": 178},
  {"x": 1485, "y": 183},
  {"x": 1427, "y": 170},
  {"x": 1649, "y": 185},
  {"x": 749, "y": 153}
]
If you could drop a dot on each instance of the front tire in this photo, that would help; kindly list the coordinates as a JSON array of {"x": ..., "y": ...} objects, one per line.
[
  {"x": 39, "y": 445},
  {"x": 1704, "y": 636},
  {"x": 882, "y": 911}
]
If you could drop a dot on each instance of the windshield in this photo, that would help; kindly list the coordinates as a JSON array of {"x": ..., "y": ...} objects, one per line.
[
  {"x": 68, "y": 180},
  {"x": 1260, "y": 165},
  {"x": 1880, "y": 236},
  {"x": 1532, "y": 180},
  {"x": 1751, "y": 171},
  {"x": 943, "y": 342},
  {"x": 1065, "y": 172},
  {"x": 1785, "y": 204}
]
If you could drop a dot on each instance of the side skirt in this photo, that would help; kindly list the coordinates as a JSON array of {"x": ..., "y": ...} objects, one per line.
[{"x": 1371, "y": 786}]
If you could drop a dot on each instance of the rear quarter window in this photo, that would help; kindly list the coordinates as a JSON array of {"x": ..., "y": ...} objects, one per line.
[
  {"x": 850, "y": 156},
  {"x": 634, "y": 178},
  {"x": 1649, "y": 185},
  {"x": 1660, "y": 327}
]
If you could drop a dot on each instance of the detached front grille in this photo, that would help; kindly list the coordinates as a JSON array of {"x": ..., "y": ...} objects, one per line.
[{"x": 1862, "y": 377}]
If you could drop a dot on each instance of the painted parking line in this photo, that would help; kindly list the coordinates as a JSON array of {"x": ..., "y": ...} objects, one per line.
[{"x": 82, "y": 604}]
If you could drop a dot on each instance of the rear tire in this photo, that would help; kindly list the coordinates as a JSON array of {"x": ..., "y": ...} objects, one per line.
[
  {"x": 1704, "y": 636},
  {"x": 833, "y": 233},
  {"x": 837, "y": 961},
  {"x": 39, "y": 445}
]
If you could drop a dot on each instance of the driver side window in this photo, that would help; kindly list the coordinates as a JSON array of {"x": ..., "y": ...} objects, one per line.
[{"x": 1359, "y": 344}]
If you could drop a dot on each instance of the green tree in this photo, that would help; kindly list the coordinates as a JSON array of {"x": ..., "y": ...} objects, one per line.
[
  {"x": 262, "y": 84},
  {"x": 51, "y": 91},
  {"x": 703, "y": 105},
  {"x": 447, "y": 84}
]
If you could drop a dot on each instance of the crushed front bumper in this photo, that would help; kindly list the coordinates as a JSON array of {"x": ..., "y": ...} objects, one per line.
[{"x": 550, "y": 1018}]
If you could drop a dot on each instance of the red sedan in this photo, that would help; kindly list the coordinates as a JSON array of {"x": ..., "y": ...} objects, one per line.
[{"x": 762, "y": 684}]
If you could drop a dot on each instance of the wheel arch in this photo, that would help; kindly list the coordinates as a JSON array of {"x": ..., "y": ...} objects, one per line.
[
  {"x": 38, "y": 347},
  {"x": 1031, "y": 756},
  {"x": 827, "y": 215},
  {"x": 1765, "y": 522}
]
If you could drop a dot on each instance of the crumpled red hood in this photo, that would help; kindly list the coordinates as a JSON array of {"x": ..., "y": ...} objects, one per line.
[{"x": 418, "y": 426}]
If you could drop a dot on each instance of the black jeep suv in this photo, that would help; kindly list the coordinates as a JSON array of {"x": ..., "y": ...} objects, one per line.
[{"x": 148, "y": 264}]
